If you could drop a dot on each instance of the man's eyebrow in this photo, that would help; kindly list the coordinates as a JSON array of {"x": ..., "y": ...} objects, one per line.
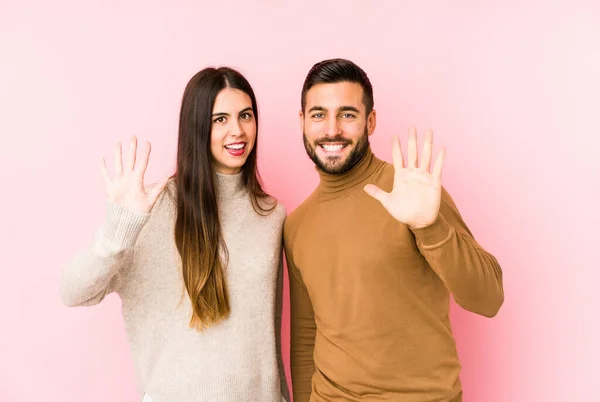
[
  {"x": 340, "y": 109},
  {"x": 348, "y": 109}
]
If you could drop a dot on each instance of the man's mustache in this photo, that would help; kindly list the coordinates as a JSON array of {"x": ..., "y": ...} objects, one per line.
[{"x": 337, "y": 139}]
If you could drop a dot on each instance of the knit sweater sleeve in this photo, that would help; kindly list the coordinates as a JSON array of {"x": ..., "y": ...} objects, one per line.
[
  {"x": 98, "y": 270},
  {"x": 278, "y": 326},
  {"x": 471, "y": 274},
  {"x": 303, "y": 332}
]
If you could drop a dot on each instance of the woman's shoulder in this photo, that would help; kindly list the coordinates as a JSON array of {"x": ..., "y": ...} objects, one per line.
[
  {"x": 165, "y": 203},
  {"x": 273, "y": 206},
  {"x": 268, "y": 211},
  {"x": 280, "y": 210}
]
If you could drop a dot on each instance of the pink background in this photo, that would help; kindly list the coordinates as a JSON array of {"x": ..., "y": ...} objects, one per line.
[{"x": 511, "y": 88}]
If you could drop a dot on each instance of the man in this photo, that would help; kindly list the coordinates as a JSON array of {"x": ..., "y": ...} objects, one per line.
[{"x": 373, "y": 255}]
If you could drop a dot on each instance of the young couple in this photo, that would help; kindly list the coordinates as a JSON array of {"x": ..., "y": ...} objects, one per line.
[{"x": 373, "y": 254}]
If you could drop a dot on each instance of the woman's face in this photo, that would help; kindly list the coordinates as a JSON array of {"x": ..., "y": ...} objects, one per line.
[{"x": 233, "y": 131}]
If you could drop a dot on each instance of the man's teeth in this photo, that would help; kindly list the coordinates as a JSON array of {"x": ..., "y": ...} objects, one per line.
[
  {"x": 332, "y": 148},
  {"x": 235, "y": 146}
]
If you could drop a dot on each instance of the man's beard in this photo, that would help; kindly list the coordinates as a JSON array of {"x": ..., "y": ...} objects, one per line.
[{"x": 332, "y": 164}]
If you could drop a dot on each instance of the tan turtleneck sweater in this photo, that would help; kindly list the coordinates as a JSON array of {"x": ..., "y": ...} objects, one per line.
[
  {"x": 370, "y": 297},
  {"x": 134, "y": 255}
]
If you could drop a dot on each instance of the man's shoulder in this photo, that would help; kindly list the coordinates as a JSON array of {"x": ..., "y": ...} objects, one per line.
[
  {"x": 298, "y": 215},
  {"x": 384, "y": 176}
]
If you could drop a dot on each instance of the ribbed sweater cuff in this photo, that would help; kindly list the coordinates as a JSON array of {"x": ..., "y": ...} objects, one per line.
[
  {"x": 435, "y": 234},
  {"x": 122, "y": 226}
]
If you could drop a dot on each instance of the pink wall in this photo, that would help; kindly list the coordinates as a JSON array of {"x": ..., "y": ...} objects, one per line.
[{"x": 511, "y": 88}]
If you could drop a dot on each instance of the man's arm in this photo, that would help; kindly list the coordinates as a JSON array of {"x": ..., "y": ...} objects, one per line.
[
  {"x": 419, "y": 201},
  {"x": 285, "y": 393},
  {"x": 303, "y": 330},
  {"x": 470, "y": 273}
]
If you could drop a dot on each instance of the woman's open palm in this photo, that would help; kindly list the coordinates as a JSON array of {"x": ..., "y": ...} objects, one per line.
[{"x": 127, "y": 187}]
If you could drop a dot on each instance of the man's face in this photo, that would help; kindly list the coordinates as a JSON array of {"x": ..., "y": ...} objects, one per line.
[{"x": 335, "y": 126}]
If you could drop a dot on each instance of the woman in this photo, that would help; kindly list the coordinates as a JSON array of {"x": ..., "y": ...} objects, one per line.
[{"x": 197, "y": 264}]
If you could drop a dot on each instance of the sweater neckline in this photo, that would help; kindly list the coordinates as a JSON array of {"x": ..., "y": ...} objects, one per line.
[
  {"x": 336, "y": 184},
  {"x": 229, "y": 186}
]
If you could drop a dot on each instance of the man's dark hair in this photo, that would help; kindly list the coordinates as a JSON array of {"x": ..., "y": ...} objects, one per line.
[{"x": 338, "y": 70}]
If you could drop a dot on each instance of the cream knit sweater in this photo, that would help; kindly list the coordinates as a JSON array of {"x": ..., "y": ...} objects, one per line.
[{"x": 134, "y": 255}]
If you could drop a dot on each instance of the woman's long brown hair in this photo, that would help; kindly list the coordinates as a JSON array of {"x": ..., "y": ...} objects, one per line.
[{"x": 198, "y": 235}]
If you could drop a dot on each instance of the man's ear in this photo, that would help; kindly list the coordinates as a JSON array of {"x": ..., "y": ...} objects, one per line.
[{"x": 371, "y": 122}]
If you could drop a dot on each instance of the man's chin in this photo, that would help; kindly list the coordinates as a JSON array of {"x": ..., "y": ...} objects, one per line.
[{"x": 332, "y": 164}]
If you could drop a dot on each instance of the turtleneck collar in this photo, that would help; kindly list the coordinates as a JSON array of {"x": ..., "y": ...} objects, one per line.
[
  {"x": 337, "y": 183},
  {"x": 229, "y": 186}
]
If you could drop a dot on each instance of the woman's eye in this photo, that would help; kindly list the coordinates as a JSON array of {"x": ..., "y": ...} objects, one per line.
[
  {"x": 220, "y": 119},
  {"x": 246, "y": 116}
]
